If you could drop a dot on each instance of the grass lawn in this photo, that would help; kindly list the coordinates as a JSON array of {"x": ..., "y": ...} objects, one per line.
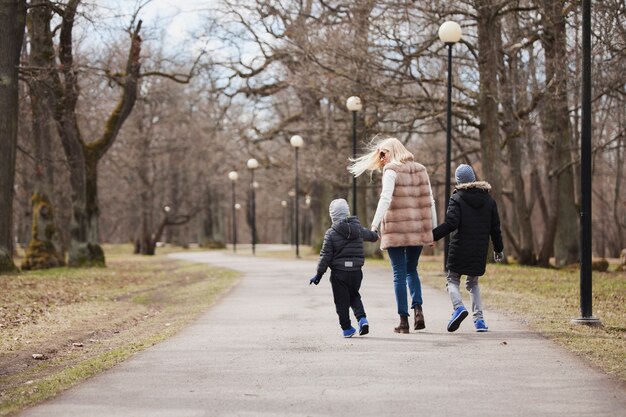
[{"x": 84, "y": 321}]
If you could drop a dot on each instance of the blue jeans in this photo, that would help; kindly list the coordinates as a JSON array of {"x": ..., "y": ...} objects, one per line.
[{"x": 404, "y": 264}]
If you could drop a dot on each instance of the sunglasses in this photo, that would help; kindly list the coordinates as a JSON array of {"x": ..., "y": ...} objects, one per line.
[{"x": 382, "y": 155}]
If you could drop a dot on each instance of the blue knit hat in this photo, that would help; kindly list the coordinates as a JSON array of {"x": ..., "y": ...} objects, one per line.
[{"x": 464, "y": 173}]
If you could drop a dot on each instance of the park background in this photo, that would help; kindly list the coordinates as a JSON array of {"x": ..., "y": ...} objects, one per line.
[
  {"x": 221, "y": 82},
  {"x": 128, "y": 132}
]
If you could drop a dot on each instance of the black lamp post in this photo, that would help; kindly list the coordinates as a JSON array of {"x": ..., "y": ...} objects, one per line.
[
  {"x": 586, "y": 311},
  {"x": 252, "y": 165},
  {"x": 449, "y": 33},
  {"x": 292, "y": 231},
  {"x": 355, "y": 105},
  {"x": 283, "y": 204},
  {"x": 297, "y": 142},
  {"x": 237, "y": 208},
  {"x": 306, "y": 227},
  {"x": 233, "y": 176}
]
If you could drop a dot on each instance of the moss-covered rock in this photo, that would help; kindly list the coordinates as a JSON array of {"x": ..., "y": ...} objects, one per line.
[
  {"x": 6, "y": 262},
  {"x": 43, "y": 249},
  {"x": 600, "y": 265},
  {"x": 622, "y": 261},
  {"x": 213, "y": 244},
  {"x": 86, "y": 255}
]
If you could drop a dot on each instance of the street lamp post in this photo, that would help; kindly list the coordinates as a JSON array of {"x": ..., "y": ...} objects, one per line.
[
  {"x": 237, "y": 208},
  {"x": 253, "y": 164},
  {"x": 283, "y": 204},
  {"x": 307, "y": 222},
  {"x": 292, "y": 198},
  {"x": 297, "y": 142},
  {"x": 233, "y": 176},
  {"x": 586, "y": 311},
  {"x": 355, "y": 105},
  {"x": 449, "y": 33}
]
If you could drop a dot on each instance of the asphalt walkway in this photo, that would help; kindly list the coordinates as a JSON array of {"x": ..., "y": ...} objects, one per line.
[{"x": 272, "y": 347}]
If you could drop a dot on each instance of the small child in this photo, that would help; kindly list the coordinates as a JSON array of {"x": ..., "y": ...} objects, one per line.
[
  {"x": 473, "y": 213},
  {"x": 342, "y": 251}
]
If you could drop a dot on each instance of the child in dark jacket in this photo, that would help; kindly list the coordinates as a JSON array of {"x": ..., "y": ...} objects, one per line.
[
  {"x": 473, "y": 213},
  {"x": 342, "y": 251}
]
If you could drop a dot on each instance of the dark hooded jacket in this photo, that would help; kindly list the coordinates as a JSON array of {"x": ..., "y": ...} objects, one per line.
[
  {"x": 343, "y": 246},
  {"x": 473, "y": 214}
]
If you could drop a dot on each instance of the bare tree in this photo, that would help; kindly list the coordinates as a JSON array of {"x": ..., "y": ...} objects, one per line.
[
  {"x": 44, "y": 248},
  {"x": 12, "y": 23},
  {"x": 83, "y": 156},
  {"x": 557, "y": 132}
]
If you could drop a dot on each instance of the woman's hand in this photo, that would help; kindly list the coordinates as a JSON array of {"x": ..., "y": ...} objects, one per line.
[{"x": 375, "y": 229}]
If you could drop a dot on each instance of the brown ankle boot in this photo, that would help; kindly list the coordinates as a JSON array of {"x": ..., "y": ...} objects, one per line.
[
  {"x": 403, "y": 327},
  {"x": 419, "y": 318}
]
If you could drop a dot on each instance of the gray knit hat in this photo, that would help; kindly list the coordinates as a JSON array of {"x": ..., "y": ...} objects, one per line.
[
  {"x": 338, "y": 209},
  {"x": 464, "y": 173}
]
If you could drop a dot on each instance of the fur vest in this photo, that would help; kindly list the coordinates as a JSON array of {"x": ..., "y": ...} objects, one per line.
[{"x": 408, "y": 220}]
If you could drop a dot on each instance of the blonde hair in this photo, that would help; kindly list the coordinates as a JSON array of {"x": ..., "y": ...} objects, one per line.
[{"x": 392, "y": 147}]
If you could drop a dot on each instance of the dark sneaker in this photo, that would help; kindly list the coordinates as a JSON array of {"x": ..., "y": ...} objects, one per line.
[
  {"x": 349, "y": 332},
  {"x": 364, "y": 326},
  {"x": 481, "y": 326},
  {"x": 457, "y": 317}
]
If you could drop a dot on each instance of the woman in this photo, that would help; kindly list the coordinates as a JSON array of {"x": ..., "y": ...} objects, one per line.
[{"x": 407, "y": 211}]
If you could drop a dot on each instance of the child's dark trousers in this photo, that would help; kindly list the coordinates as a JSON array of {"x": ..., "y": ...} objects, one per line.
[{"x": 346, "y": 285}]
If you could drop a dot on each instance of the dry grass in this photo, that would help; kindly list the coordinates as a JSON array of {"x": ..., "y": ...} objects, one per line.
[
  {"x": 86, "y": 320},
  {"x": 547, "y": 300}
]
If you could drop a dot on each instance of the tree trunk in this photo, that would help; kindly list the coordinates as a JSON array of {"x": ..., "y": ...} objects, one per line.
[
  {"x": 489, "y": 46},
  {"x": 513, "y": 99},
  {"x": 489, "y": 43},
  {"x": 321, "y": 196},
  {"x": 44, "y": 249},
  {"x": 556, "y": 128},
  {"x": 12, "y": 22},
  {"x": 212, "y": 231},
  {"x": 85, "y": 249}
]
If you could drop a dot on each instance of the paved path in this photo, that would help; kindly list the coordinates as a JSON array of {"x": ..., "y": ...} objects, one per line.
[{"x": 272, "y": 347}]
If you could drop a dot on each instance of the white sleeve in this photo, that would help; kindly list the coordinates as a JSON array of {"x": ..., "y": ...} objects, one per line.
[
  {"x": 433, "y": 209},
  {"x": 389, "y": 183}
]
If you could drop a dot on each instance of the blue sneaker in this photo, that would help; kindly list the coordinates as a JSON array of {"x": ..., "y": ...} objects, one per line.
[
  {"x": 457, "y": 317},
  {"x": 349, "y": 332},
  {"x": 364, "y": 326},
  {"x": 481, "y": 326}
]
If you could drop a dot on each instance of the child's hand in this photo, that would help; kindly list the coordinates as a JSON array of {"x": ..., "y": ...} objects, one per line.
[
  {"x": 315, "y": 280},
  {"x": 498, "y": 256}
]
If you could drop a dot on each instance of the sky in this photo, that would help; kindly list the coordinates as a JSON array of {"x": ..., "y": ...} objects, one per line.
[{"x": 177, "y": 18}]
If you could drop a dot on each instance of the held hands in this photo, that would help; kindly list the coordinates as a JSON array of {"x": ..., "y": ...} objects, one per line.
[
  {"x": 315, "y": 280},
  {"x": 498, "y": 256}
]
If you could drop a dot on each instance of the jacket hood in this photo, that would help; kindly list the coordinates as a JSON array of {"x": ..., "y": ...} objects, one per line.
[
  {"x": 475, "y": 194},
  {"x": 349, "y": 228}
]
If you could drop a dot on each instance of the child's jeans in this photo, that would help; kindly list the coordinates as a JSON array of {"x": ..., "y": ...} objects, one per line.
[
  {"x": 471, "y": 284},
  {"x": 404, "y": 265},
  {"x": 346, "y": 285}
]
